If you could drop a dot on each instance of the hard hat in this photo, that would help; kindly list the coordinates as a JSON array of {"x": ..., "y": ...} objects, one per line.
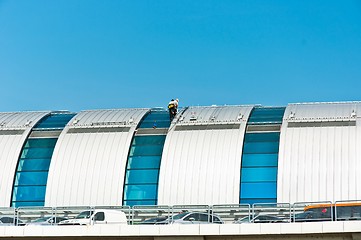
[{"x": 177, "y": 100}]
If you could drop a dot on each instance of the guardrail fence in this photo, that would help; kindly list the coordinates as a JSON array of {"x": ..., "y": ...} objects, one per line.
[{"x": 228, "y": 213}]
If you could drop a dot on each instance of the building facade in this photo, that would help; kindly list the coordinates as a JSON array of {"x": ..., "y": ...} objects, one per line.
[{"x": 207, "y": 155}]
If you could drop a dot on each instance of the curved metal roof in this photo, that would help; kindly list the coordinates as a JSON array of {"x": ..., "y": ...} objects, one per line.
[
  {"x": 307, "y": 112},
  {"x": 212, "y": 115},
  {"x": 201, "y": 165},
  {"x": 319, "y": 152},
  {"x": 89, "y": 160},
  {"x": 14, "y": 129}
]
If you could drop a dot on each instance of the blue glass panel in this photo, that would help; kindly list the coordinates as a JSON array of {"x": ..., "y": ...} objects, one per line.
[
  {"x": 259, "y": 190},
  {"x": 155, "y": 124},
  {"x": 27, "y": 204},
  {"x": 140, "y": 192},
  {"x": 260, "y": 160},
  {"x": 37, "y": 152},
  {"x": 253, "y": 121},
  {"x": 149, "y": 140},
  {"x": 268, "y": 111},
  {"x": 262, "y": 137},
  {"x": 31, "y": 178},
  {"x": 260, "y": 147},
  {"x": 157, "y": 117},
  {"x": 140, "y": 202},
  {"x": 258, "y": 200},
  {"x": 34, "y": 165},
  {"x": 29, "y": 193},
  {"x": 258, "y": 174},
  {"x": 142, "y": 176},
  {"x": 146, "y": 150},
  {"x": 54, "y": 121},
  {"x": 144, "y": 162},
  {"x": 41, "y": 142}
]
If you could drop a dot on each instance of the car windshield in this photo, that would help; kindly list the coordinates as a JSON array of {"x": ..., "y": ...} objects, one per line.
[
  {"x": 180, "y": 215},
  {"x": 85, "y": 214}
]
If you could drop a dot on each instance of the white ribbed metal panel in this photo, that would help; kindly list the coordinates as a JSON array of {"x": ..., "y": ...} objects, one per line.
[
  {"x": 14, "y": 128},
  {"x": 88, "y": 168},
  {"x": 203, "y": 166},
  {"x": 318, "y": 163}
]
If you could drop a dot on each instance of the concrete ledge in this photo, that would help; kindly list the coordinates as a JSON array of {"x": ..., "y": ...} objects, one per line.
[
  {"x": 352, "y": 226},
  {"x": 248, "y": 229}
]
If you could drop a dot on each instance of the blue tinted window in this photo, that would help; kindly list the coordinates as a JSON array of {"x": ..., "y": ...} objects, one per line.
[
  {"x": 262, "y": 137},
  {"x": 258, "y": 200},
  {"x": 260, "y": 160},
  {"x": 158, "y": 119},
  {"x": 29, "y": 193},
  {"x": 142, "y": 176},
  {"x": 146, "y": 150},
  {"x": 31, "y": 178},
  {"x": 149, "y": 140},
  {"x": 140, "y": 202},
  {"x": 260, "y": 147},
  {"x": 259, "y": 115},
  {"x": 37, "y": 152},
  {"x": 259, "y": 190},
  {"x": 54, "y": 121},
  {"x": 27, "y": 204},
  {"x": 142, "y": 162},
  {"x": 34, "y": 165},
  {"x": 155, "y": 124},
  {"x": 264, "y": 120},
  {"x": 259, "y": 174},
  {"x": 140, "y": 192},
  {"x": 41, "y": 143}
]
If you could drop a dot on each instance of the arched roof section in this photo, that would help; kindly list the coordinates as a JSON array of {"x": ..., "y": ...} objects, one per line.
[
  {"x": 89, "y": 160},
  {"x": 202, "y": 156},
  {"x": 319, "y": 157},
  {"x": 14, "y": 129}
]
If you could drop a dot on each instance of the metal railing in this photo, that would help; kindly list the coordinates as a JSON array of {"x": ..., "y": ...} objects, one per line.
[{"x": 228, "y": 213}]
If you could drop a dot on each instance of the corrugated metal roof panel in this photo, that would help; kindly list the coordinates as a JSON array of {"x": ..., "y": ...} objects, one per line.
[
  {"x": 88, "y": 167},
  {"x": 203, "y": 166},
  {"x": 320, "y": 161},
  {"x": 11, "y": 145},
  {"x": 321, "y": 111},
  {"x": 114, "y": 117},
  {"x": 213, "y": 114}
]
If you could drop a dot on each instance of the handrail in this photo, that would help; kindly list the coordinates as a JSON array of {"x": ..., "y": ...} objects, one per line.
[{"x": 229, "y": 213}]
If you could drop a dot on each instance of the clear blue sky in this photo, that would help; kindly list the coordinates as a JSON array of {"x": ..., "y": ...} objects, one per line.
[{"x": 85, "y": 54}]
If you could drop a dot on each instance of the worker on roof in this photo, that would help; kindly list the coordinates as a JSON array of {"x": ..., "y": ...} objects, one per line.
[{"x": 173, "y": 108}]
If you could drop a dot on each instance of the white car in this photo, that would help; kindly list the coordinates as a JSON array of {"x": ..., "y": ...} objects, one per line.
[{"x": 97, "y": 216}]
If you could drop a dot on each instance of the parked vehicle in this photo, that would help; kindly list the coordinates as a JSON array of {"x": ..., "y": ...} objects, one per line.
[
  {"x": 261, "y": 219},
  {"x": 192, "y": 218},
  {"x": 10, "y": 221},
  {"x": 97, "y": 216},
  {"x": 156, "y": 220},
  {"x": 49, "y": 220}
]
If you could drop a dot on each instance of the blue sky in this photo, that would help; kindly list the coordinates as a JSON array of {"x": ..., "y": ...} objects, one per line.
[{"x": 85, "y": 54}]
